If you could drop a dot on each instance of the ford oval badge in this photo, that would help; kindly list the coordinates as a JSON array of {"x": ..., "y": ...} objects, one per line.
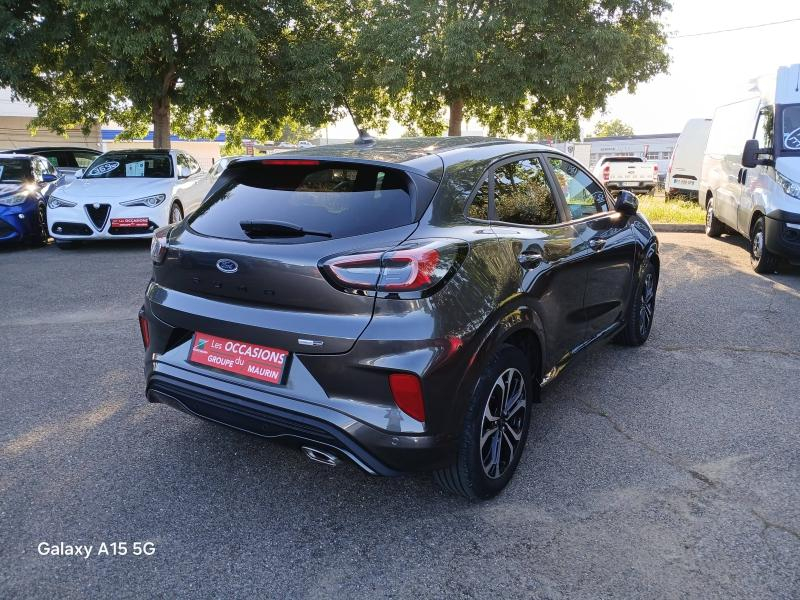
[{"x": 226, "y": 265}]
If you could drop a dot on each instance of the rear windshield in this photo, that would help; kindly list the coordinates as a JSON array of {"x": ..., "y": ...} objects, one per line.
[
  {"x": 137, "y": 164},
  {"x": 15, "y": 170},
  {"x": 297, "y": 200}
]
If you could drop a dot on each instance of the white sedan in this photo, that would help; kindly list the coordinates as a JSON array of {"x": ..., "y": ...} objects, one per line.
[{"x": 127, "y": 194}]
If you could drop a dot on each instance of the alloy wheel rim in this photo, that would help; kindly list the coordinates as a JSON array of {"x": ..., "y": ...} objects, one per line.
[
  {"x": 503, "y": 423},
  {"x": 758, "y": 244},
  {"x": 709, "y": 216},
  {"x": 648, "y": 304},
  {"x": 44, "y": 233}
]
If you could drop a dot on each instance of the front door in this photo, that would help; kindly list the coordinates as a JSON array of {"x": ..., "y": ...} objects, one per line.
[
  {"x": 610, "y": 242},
  {"x": 549, "y": 254}
]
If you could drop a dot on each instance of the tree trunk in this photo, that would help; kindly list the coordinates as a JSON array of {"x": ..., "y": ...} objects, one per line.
[
  {"x": 161, "y": 123},
  {"x": 456, "y": 116}
]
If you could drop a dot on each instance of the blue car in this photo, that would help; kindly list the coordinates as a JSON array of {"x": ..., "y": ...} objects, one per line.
[{"x": 26, "y": 182}]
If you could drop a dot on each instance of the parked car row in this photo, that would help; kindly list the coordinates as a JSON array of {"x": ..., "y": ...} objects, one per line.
[{"x": 79, "y": 194}]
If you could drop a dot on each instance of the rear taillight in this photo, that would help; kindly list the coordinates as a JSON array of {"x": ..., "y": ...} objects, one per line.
[
  {"x": 407, "y": 394},
  {"x": 655, "y": 172},
  {"x": 144, "y": 328},
  {"x": 158, "y": 246},
  {"x": 606, "y": 173},
  {"x": 418, "y": 266}
]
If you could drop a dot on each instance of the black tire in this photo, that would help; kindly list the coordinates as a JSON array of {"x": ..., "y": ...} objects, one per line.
[
  {"x": 761, "y": 259},
  {"x": 42, "y": 235},
  {"x": 639, "y": 320},
  {"x": 714, "y": 227},
  {"x": 470, "y": 476},
  {"x": 175, "y": 213}
]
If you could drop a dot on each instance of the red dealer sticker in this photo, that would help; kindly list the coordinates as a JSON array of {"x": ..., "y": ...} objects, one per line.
[
  {"x": 130, "y": 222},
  {"x": 241, "y": 358}
]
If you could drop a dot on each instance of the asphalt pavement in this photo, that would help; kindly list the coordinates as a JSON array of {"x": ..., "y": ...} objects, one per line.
[{"x": 667, "y": 471}]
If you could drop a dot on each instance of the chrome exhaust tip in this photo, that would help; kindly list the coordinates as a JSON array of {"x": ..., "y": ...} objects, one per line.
[{"x": 320, "y": 456}]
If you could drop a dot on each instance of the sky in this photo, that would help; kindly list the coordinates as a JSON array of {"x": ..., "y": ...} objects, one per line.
[{"x": 706, "y": 71}]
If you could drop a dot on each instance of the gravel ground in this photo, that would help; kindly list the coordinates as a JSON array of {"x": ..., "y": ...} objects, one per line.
[{"x": 668, "y": 471}]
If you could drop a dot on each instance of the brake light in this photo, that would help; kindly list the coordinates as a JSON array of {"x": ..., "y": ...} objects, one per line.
[
  {"x": 144, "y": 328},
  {"x": 655, "y": 172},
  {"x": 414, "y": 267},
  {"x": 290, "y": 162},
  {"x": 159, "y": 245},
  {"x": 606, "y": 173},
  {"x": 407, "y": 393}
]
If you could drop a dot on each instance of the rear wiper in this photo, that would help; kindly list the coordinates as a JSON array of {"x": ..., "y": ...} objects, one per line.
[{"x": 255, "y": 229}]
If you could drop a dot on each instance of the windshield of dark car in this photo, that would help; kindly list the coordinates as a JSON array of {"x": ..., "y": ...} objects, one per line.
[
  {"x": 139, "y": 164},
  {"x": 15, "y": 170},
  {"x": 791, "y": 127},
  {"x": 339, "y": 200}
]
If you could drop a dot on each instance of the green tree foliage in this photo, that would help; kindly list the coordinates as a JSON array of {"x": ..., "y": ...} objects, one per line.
[
  {"x": 514, "y": 65},
  {"x": 612, "y": 128},
  {"x": 187, "y": 66}
]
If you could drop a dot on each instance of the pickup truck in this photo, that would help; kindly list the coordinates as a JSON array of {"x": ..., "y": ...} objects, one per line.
[{"x": 630, "y": 173}]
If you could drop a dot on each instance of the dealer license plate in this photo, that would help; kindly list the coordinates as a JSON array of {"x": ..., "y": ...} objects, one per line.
[
  {"x": 241, "y": 358},
  {"x": 130, "y": 222}
]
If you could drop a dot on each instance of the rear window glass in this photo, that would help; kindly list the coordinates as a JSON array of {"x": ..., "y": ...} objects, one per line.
[{"x": 304, "y": 202}]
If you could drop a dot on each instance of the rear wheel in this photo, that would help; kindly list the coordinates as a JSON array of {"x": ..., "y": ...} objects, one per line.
[
  {"x": 762, "y": 260},
  {"x": 495, "y": 428},
  {"x": 639, "y": 320},
  {"x": 714, "y": 227}
]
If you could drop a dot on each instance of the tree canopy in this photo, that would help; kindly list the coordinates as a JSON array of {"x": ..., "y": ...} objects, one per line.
[
  {"x": 190, "y": 66},
  {"x": 612, "y": 128}
]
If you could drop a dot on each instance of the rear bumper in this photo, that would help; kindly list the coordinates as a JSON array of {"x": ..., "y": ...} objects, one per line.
[
  {"x": 641, "y": 186},
  {"x": 783, "y": 235},
  {"x": 272, "y": 416}
]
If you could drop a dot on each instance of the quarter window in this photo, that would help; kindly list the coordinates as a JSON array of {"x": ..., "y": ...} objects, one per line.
[
  {"x": 583, "y": 195},
  {"x": 522, "y": 194},
  {"x": 479, "y": 208}
]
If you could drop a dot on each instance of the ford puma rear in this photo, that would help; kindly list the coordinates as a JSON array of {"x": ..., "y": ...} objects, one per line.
[{"x": 362, "y": 303}]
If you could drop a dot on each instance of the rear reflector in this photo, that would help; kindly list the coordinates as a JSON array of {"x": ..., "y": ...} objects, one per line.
[
  {"x": 144, "y": 328},
  {"x": 407, "y": 393},
  {"x": 286, "y": 162}
]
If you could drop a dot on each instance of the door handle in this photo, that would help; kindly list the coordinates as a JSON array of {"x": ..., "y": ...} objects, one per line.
[
  {"x": 742, "y": 176},
  {"x": 597, "y": 244},
  {"x": 530, "y": 260}
]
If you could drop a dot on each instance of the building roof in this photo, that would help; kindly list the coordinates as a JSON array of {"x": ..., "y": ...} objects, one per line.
[{"x": 619, "y": 138}]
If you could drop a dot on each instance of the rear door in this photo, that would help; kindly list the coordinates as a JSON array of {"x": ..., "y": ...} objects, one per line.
[
  {"x": 609, "y": 242},
  {"x": 245, "y": 265},
  {"x": 528, "y": 220}
]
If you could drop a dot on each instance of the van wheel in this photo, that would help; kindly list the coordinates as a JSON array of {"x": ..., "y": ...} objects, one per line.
[
  {"x": 762, "y": 260},
  {"x": 714, "y": 227},
  {"x": 495, "y": 428}
]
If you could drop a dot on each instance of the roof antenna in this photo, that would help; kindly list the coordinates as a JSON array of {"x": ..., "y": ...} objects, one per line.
[{"x": 364, "y": 138}]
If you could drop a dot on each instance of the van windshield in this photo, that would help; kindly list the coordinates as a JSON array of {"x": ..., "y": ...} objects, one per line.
[{"x": 791, "y": 127}]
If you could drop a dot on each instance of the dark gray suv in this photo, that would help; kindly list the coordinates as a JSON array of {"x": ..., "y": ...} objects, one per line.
[{"x": 397, "y": 304}]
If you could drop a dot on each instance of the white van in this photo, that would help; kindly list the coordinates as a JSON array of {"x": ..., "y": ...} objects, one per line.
[
  {"x": 686, "y": 164},
  {"x": 751, "y": 171}
]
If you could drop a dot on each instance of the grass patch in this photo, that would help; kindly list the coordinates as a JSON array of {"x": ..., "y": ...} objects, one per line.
[{"x": 659, "y": 210}]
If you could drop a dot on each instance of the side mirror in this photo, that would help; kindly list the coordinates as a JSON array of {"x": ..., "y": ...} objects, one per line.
[
  {"x": 78, "y": 173},
  {"x": 49, "y": 178},
  {"x": 751, "y": 153},
  {"x": 184, "y": 172},
  {"x": 626, "y": 203}
]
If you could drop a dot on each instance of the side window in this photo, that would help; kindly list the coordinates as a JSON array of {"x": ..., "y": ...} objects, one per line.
[
  {"x": 765, "y": 129},
  {"x": 36, "y": 168},
  {"x": 479, "y": 208},
  {"x": 522, "y": 194},
  {"x": 49, "y": 167},
  {"x": 583, "y": 195}
]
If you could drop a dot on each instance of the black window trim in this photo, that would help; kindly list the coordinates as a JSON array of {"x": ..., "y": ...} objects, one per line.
[
  {"x": 488, "y": 176},
  {"x": 560, "y": 193}
]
